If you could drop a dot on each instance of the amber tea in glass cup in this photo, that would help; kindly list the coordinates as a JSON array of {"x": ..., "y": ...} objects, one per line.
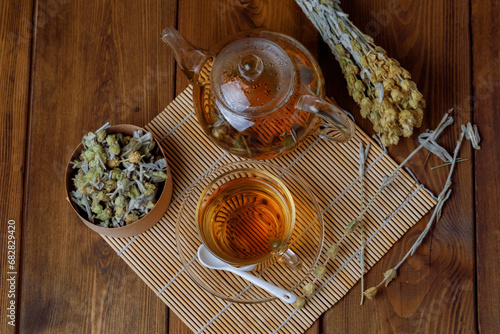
[
  {"x": 306, "y": 240},
  {"x": 246, "y": 216}
]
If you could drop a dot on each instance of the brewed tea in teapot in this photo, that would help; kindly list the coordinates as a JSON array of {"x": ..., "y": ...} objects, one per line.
[{"x": 259, "y": 94}]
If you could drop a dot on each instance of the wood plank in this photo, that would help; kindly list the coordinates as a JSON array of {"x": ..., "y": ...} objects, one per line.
[
  {"x": 435, "y": 288},
  {"x": 15, "y": 46},
  {"x": 95, "y": 62},
  {"x": 206, "y": 23},
  {"x": 486, "y": 74}
]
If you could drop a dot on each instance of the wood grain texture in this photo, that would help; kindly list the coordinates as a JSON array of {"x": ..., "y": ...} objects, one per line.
[
  {"x": 15, "y": 46},
  {"x": 95, "y": 61},
  {"x": 98, "y": 61},
  {"x": 486, "y": 81},
  {"x": 435, "y": 288}
]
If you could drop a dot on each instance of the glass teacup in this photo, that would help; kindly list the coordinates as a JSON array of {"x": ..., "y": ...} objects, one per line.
[
  {"x": 246, "y": 216},
  {"x": 305, "y": 241}
]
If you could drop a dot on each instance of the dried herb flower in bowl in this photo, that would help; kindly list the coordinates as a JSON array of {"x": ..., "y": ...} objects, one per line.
[{"x": 117, "y": 177}]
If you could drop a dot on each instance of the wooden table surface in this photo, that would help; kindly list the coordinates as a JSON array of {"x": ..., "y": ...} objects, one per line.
[{"x": 69, "y": 66}]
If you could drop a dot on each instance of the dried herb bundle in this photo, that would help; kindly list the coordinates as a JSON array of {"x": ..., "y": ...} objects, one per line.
[
  {"x": 117, "y": 177},
  {"x": 381, "y": 87}
]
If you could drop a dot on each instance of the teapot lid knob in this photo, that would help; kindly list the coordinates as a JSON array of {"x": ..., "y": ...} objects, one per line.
[
  {"x": 252, "y": 77},
  {"x": 251, "y": 67}
]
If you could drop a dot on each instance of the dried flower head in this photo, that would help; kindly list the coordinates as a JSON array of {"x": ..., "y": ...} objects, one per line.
[
  {"x": 389, "y": 275},
  {"x": 131, "y": 217},
  {"x": 351, "y": 227},
  {"x": 134, "y": 157},
  {"x": 119, "y": 211},
  {"x": 113, "y": 163},
  {"x": 333, "y": 251},
  {"x": 105, "y": 214},
  {"x": 299, "y": 303},
  {"x": 111, "y": 140},
  {"x": 100, "y": 135},
  {"x": 370, "y": 293},
  {"x": 121, "y": 201},
  {"x": 133, "y": 192},
  {"x": 110, "y": 185},
  {"x": 88, "y": 155},
  {"x": 149, "y": 189},
  {"x": 97, "y": 148},
  {"x": 97, "y": 209},
  {"x": 157, "y": 177},
  {"x": 309, "y": 289},
  {"x": 319, "y": 271},
  {"x": 115, "y": 149}
]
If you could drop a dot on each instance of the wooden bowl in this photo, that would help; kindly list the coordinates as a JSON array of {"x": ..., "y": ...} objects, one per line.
[{"x": 139, "y": 226}]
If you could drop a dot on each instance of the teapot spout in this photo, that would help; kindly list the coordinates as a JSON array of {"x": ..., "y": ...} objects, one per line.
[{"x": 187, "y": 56}]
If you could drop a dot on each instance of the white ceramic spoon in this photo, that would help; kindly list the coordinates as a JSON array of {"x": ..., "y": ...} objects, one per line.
[{"x": 210, "y": 261}]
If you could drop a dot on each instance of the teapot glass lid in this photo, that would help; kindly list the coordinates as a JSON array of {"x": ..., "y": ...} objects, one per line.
[{"x": 252, "y": 77}]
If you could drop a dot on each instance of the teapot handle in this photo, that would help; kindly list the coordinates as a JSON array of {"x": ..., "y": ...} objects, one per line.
[{"x": 335, "y": 125}]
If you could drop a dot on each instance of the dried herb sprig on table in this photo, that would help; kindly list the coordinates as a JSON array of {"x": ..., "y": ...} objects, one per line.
[
  {"x": 389, "y": 275},
  {"x": 363, "y": 154},
  {"x": 379, "y": 84},
  {"x": 117, "y": 177},
  {"x": 470, "y": 132},
  {"x": 319, "y": 271}
]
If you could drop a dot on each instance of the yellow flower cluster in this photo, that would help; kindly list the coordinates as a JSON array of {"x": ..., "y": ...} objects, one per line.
[{"x": 399, "y": 109}]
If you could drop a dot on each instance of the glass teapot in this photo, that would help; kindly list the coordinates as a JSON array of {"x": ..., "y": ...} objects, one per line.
[{"x": 258, "y": 94}]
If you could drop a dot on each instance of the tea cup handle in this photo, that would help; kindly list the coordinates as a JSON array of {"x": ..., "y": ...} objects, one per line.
[
  {"x": 335, "y": 125},
  {"x": 290, "y": 259}
]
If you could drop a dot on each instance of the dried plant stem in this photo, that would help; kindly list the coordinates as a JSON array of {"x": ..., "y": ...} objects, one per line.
[
  {"x": 436, "y": 215},
  {"x": 334, "y": 249},
  {"x": 362, "y": 159},
  {"x": 449, "y": 163},
  {"x": 446, "y": 120},
  {"x": 362, "y": 254}
]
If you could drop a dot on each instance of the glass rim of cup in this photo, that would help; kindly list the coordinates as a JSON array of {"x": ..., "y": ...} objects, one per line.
[{"x": 242, "y": 170}]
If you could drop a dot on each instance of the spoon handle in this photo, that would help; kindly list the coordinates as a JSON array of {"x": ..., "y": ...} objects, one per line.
[{"x": 282, "y": 294}]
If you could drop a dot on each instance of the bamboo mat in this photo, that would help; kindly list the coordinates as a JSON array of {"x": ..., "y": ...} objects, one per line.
[{"x": 330, "y": 169}]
